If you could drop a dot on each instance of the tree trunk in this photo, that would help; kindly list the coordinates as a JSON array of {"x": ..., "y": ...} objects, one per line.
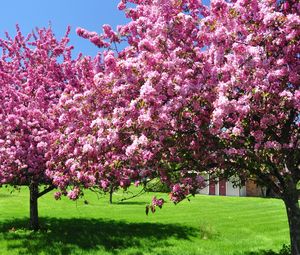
[
  {"x": 111, "y": 191},
  {"x": 34, "y": 194},
  {"x": 293, "y": 213}
]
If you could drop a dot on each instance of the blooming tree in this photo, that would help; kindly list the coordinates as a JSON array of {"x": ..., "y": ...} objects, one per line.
[
  {"x": 146, "y": 100},
  {"x": 198, "y": 89},
  {"x": 34, "y": 71},
  {"x": 254, "y": 48}
]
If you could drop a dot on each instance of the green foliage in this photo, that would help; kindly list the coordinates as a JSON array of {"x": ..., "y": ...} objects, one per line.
[{"x": 157, "y": 186}]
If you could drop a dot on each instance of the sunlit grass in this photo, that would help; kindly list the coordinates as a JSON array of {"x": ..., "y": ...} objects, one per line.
[{"x": 205, "y": 225}]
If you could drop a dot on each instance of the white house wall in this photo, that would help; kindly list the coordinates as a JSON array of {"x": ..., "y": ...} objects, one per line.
[
  {"x": 217, "y": 188},
  {"x": 230, "y": 189},
  {"x": 243, "y": 191},
  {"x": 205, "y": 191}
]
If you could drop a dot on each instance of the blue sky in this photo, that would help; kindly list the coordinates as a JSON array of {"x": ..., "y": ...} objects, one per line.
[{"x": 89, "y": 14}]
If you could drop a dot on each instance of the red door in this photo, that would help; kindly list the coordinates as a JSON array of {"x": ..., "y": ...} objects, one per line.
[
  {"x": 212, "y": 188},
  {"x": 222, "y": 187}
]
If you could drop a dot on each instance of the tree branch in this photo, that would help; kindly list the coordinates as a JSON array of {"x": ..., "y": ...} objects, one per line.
[{"x": 45, "y": 191}]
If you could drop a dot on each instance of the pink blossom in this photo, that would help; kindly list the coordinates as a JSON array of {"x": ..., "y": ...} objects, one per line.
[
  {"x": 147, "y": 90},
  {"x": 57, "y": 195},
  {"x": 258, "y": 135},
  {"x": 74, "y": 193},
  {"x": 87, "y": 148},
  {"x": 121, "y": 6},
  {"x": 158, "y": 202},
  {"x": 272, "y": 145}
]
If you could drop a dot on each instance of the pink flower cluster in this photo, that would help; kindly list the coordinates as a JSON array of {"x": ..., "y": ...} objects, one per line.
[{"x": 158, "y": 202}]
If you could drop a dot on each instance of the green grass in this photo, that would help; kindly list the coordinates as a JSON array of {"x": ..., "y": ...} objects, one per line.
[{"x": 205, "y": 225}]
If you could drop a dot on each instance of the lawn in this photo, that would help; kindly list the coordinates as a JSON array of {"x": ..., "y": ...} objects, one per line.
[{"x": 205, "y": 225}]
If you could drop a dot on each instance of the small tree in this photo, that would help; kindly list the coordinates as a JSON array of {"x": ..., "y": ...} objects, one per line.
[{"x": 34, "y": 71}]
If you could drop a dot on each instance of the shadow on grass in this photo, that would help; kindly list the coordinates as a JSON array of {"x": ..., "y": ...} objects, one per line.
[
  {"x": 284, "y": 251},
  {"x": 130, "y": 203},
  {"x": 263, "y": 252},
  {"x": 63, "y": 236}
]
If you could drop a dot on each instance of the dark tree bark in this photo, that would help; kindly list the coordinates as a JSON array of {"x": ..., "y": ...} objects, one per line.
[
  {"x": 34, "y": 194},
  {"x": 290, "y": 198},
  {"x": 111, "y": 191}
]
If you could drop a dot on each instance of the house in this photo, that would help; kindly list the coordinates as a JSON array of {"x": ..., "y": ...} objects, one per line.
[{"x": 225, "y": 187}]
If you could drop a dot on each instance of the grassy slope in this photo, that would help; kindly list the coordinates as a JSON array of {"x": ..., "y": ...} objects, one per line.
[{"x": 205, "y": 225}]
